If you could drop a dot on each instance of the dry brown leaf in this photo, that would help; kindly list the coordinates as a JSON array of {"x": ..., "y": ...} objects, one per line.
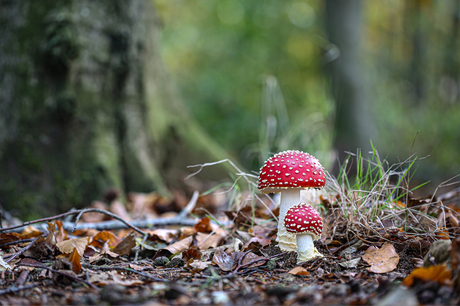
[
  {"x": 382, "y": 260},
  {"x": 197, "y": 265},
  {"x": 191, "y": 253},
  {"x": 142, "y": 204},
  {"x": 206, "y": 241},
  {"x": 204, "y": 226},
  {"x": 180, "y": 245},
  {"x": 101, "y": 278},
  {"x": 30, "y": 232},
  {"x": 299, "y": 271},
  {"x": 118, "y": 279},
  {"x": 85, "y": 233},
  {"x": 125, "y": 246},
  {"x": 438, "y": 273},
  {"x": 50, "y": 238},
  {"x": 136, "y": 267},
  {"x": 75, "y": 258},
  {"x": 102, "y": 237},
  {"x": 67, "y": 246},
  {"x": 5, "y": 238},
  {"x": 252, "y": 257},
  {"x": 224, "y": 261},
  {"x": 95, "y": 216},
  {"x": 260, "y": 232},
  {"x": 166, "y": 235},
  {"x": 61, "y": 235},
  {"x": 120, "y": 210}
]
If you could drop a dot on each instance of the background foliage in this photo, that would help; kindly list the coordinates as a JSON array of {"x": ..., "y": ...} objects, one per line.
[{"x": 254, "y": 75}]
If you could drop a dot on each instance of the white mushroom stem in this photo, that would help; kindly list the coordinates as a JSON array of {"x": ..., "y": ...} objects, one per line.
[
  {"x": 305, "y": 248},
  {"x": 288, "y": 198}
]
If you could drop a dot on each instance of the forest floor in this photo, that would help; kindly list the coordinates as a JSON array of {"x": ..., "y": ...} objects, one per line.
[{"x": 220, "y": 248}]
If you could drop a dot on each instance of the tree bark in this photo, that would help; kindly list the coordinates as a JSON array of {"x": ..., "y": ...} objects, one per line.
[
  {"x": 352, "y": 125},
  {"x": 85, "y": 104}
]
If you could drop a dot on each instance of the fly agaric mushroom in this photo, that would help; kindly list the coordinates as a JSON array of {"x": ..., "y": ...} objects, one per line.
[
  {"x": 304, "y": 221},
  {"x": 289, "y": 172}
]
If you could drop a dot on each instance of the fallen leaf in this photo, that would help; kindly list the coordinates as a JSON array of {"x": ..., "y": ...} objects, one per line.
[
  {"x": 3, "y": 263},
  {"x": 75, "y": 259},
  {"x": 125, "y": 246},
  {"x": 118, "y": 279},
  {"x": 224, "y": 261},
  {"x": 204, "y": 226},
  {"x": 382, "y": 260},
  {"x": 260, "y": 232},
  {"x": 299, "y": 271},
  {"x": 101, "y": 278},
  {"x": 197, "y": 265},
  {"x": 67, "y": 246},
  {"x": 95, "y": 216},
  {"x": 102, "y": 237},
  {"x": 251, "y": 257},
  {"x": 350, "y": 263},
  {"x": 438, "y": 273},
  {"x": 30, "y": 232},
  {"x": 5, "y": 238},
  {"x": 50, "y": 238},
  {"x": 166, "y": 235},
  {"x": 256, "y": 243},
  {"x": 61, "y": 234},
  {"x": 191, "y": 253},
  {"x": 180, "y": 245},
  {"x": 119, "y": 209},
  {"x": 206, "y": 241}
]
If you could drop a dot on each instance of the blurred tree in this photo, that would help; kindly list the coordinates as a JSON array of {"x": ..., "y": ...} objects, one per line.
[
  {"x": 353, "y": 125},
  {"x": 85, "y": 104}
]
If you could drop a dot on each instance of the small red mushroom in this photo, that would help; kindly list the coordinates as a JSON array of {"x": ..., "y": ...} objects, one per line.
[
  {"x": 289, "y": 172},
  {"x": 304, "y": 221}
]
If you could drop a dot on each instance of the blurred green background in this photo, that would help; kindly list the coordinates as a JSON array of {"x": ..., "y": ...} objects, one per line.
[
  {"x": 125, "y": 95},
  {"x": 255, "y": 75}
]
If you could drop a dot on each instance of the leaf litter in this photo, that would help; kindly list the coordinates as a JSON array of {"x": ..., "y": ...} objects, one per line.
[{"x": 222, "y": 250}]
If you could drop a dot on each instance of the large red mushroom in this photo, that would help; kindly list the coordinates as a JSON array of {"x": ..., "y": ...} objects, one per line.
[
  {"x": 289, "y": 172},
  {"x": 305, "y": 222}
]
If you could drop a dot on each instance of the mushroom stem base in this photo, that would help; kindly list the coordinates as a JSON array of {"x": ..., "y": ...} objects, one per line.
[
  {"x": 288, "y": 198},
  {"x": 305, "y": 248}
]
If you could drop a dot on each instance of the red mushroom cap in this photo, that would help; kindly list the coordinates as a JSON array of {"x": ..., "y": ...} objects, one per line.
[
  {"x": 291, "y": 169},
  {"x": 303, "y": 219}
]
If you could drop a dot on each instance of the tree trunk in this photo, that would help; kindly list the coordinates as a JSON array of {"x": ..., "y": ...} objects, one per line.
[
  {"x": 352, "y": 125},
  {"x": 85, "y": 104}
]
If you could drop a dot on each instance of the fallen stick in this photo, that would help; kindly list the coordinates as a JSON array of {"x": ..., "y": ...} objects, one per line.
[
  {"x": 17, "y": 289},
  {"x": 119, "y": 223}
]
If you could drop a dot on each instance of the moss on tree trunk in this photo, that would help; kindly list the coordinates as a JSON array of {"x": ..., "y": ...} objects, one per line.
[{"x": 86, "y": 105}]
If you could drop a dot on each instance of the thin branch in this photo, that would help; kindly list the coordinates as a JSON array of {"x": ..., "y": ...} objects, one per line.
[
  {"x": 119, "y": 223},
  {"x": 17, "y": 289},
  {"x": 81, "y": 212},
  {"x": 21, "y": 251}
]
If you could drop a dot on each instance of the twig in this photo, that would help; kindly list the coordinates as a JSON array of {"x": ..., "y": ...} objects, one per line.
[
  {"x": 22, "y": 277},
  {"x": 81, "y": 212},
  {"x": 74, "y": 212},
  {"x": 15, "y": 242},
  {"x": 119, "y": 223},
  {"x": 17, "y": 289},
  {"x": 21, "y": 251},
  {"x": 344, "y": 246},
  {"x": 190, "y": 206},
  {"x": 59, "y": 272}
]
